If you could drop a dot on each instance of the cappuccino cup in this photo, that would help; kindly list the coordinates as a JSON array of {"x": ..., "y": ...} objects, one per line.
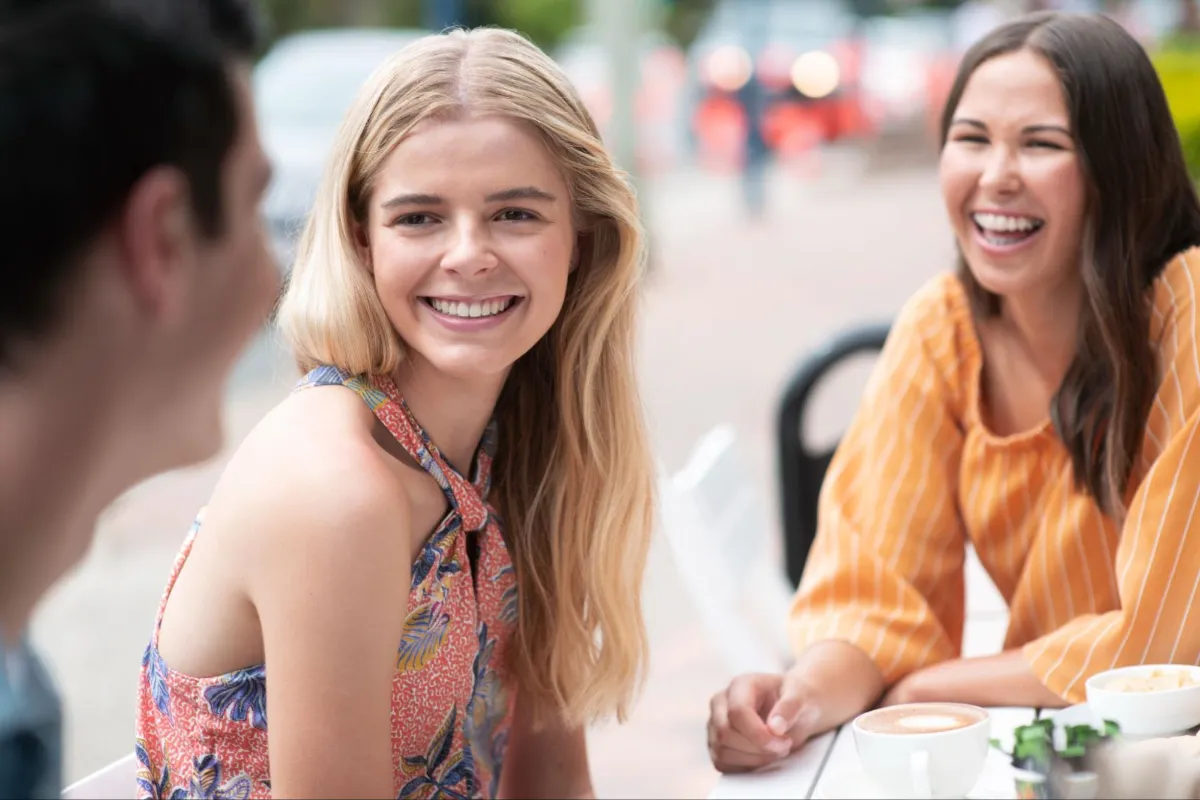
[{"x": 923, "y": 750}]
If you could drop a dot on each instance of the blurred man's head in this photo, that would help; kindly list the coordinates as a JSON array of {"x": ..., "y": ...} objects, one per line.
[{"x": 134, "y": 265}]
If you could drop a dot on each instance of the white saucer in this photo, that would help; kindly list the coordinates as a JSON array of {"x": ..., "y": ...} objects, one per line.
[{"x": 854, "y": 785}]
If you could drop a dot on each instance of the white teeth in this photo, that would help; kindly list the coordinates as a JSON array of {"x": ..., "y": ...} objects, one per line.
[
  {"x": 468, "y": 310},
  {"x": 1006, "y": 224}
]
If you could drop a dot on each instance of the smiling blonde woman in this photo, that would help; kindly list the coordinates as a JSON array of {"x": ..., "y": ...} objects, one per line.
[{"x": 444, "y": 580}]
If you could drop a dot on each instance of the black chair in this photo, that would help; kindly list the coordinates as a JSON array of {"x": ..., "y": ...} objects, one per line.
[{"x": 801, "y": 471}]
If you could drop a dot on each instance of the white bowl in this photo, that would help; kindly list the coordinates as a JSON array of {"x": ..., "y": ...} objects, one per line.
[{"x": 1142, "y": 714}]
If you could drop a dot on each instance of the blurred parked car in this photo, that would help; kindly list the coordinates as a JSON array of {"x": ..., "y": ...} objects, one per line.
[
  {"x": 805, "y": 54},
  {"x": 907, "y": 69},
  {"x": 304, "y": 86},
  {"x": 586, "y": 62}
]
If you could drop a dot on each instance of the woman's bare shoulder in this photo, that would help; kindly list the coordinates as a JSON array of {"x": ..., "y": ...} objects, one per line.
[{"x": 310, "y": 470}]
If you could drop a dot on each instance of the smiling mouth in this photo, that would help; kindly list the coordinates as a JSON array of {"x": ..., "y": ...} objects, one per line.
[
  {"x": 1004, "y": 230},
  {"x": 472, "y": 310}
]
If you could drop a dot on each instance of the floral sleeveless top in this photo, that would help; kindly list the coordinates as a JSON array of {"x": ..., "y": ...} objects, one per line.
[{"x": 451, "y": 695}]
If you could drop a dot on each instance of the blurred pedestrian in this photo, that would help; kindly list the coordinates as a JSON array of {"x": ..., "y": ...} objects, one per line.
[{"x": 756, "y": 153}]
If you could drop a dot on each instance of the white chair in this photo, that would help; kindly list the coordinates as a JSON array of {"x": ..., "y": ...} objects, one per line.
[
  {"x": 730, "y": 562},
  {"x": 117, "y": 781},
  {"x": 987, "y": 612},
  {"x": 726, "y": 556}
]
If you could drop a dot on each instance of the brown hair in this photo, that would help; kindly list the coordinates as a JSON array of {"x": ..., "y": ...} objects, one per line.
[{"x": 1142, "y": 210}]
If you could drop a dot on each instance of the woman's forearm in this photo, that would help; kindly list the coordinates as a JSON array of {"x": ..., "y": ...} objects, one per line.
[
  {"x": 1000, "y": 680},
  {"x": 841, "y": 678}
]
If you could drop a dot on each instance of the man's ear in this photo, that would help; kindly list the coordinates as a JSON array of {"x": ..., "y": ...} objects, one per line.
[{"x": 156, "y": 234}]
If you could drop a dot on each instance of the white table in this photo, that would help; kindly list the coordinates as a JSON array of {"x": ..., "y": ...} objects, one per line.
[{"x": 830, "y": 755}]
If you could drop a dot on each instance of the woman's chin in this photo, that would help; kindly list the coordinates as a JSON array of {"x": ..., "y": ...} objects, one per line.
[
  {"x": 469, "y": 366},
  {"x": 1005, "y": 280}
]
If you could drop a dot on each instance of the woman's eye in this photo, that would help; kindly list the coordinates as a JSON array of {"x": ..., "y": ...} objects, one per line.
[
  {"x": 414, "y": 219},
  {"x": 1046, "y": 145},
  {"x": 973, "y": 139},
  {"x": 515, "y": 215}
]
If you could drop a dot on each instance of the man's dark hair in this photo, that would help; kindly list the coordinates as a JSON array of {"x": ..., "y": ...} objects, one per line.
[{"x": 93, "y": 95}]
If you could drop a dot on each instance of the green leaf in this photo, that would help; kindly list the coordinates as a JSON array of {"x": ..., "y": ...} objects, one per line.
[
  {"x": 1081, "y": 735},
  {"x": 1032, "y": 733},
  {"x": 1035, "y": 748}
]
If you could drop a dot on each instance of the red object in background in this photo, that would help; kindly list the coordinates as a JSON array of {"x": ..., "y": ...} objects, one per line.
[
  {"x": 849, "y": 57},
  {"x": 720, "y": 124},
  {"x": 656, "y": 105},
  {"x": 791, "y": 124},
  {"x": 939, "y": 81},
  {"x": 793, "y": 129},
  {"x": 790, "y": 127}
]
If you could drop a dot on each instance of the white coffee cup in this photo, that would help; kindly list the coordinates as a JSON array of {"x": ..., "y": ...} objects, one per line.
[{"x": 923, "y": 750}]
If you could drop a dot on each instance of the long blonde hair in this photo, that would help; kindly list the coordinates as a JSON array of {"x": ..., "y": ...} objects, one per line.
[{"x": 574, "y": 475}]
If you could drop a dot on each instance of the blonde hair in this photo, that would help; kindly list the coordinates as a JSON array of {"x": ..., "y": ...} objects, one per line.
[{"x": 577, "y": 500}]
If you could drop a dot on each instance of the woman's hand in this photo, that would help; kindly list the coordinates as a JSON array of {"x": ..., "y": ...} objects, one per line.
[
  {"x": 908, "y": 689},
  {"x": 760, "y": 719}
]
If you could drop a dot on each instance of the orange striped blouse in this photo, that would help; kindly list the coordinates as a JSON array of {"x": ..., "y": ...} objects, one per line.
[{"x": 918, "y": 475}]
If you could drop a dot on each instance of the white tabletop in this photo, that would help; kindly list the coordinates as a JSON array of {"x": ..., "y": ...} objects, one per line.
[{"x": 832, "y": 755}]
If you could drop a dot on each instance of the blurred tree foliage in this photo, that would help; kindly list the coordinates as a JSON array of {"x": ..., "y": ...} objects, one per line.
[
  {"x": 1178, "y": 65},
  {"x": 682, "y": 19},
  {"x": 544, "y": 21},
  {"x": 288, "y": 16}
]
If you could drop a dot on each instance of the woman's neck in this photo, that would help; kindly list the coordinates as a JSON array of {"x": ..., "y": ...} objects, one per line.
[
  {"x": 453, "y": 411},
  {"x": 1046, "y": 324}
]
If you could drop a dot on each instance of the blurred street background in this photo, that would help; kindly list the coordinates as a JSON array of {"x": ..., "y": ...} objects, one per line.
[{"x": 785, "y": 154}]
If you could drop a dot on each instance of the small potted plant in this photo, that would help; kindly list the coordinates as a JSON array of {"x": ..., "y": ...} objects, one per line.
[{"x": 1043, "y": 771}]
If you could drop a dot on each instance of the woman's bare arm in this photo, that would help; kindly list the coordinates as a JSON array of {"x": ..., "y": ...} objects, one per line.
[
  {"x": 547, "y": 762},
  {"x": 331, "y": 554},
  {"x": 1006, "y": 679}
]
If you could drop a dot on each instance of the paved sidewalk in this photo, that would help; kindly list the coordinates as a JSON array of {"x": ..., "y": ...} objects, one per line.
[{"x": 729, "y": 309}]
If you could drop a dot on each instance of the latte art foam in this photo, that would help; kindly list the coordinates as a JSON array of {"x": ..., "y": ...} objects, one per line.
[
  {"x": 917, "y": 718},
  {"x": 929, "y": 722}
]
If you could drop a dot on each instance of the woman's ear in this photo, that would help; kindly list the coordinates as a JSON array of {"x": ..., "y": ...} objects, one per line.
[
  {"x": 362, "y": 244},
  {"x": 577, "y": 250}
]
